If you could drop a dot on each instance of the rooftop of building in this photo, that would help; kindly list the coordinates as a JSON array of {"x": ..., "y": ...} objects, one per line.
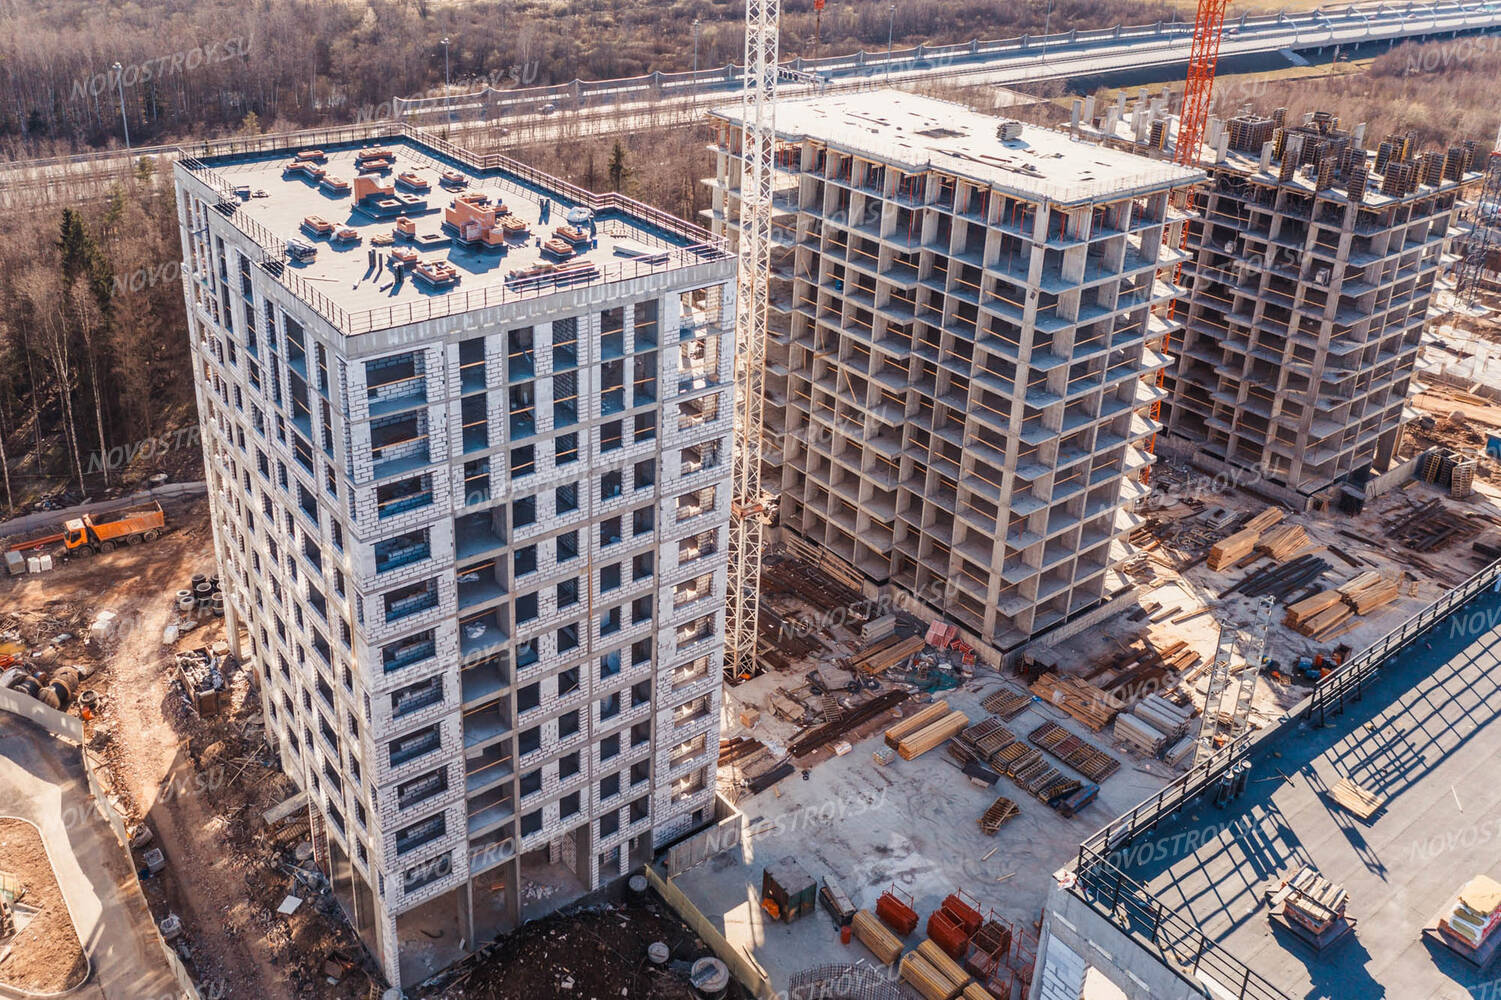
[
  {"x": 1426, "y": 736},
  {"x": 276, "y": 201},
  {"x": 1235, "y": 144},
  {"x": 916, "y": 132}
]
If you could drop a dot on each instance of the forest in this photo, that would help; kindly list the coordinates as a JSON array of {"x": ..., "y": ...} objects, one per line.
[
  {"x": 195, "y": 68},
  {"x": 95, "y": 386}
]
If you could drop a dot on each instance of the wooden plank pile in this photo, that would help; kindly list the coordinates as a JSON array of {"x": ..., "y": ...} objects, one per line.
[
  {"x": 885, "y": 654},
  {"x": 1094, "y": 764},
  {"x": 1370, "y": 591},
  {"x": 1283, "y": 542},
  {"x": 1317, "y": 615},
  {"x": 933, "y": 974},
  {"x": 916, "y": 744},
  {"x": 1153, "y": 724},
  {"x": 998, "y": 814},
  {"x": 1229, "y": 551},
  {"x": 1079, "y": 698},
  {"x": 1357, "y": 799},
  {"x": 883, "y": 944},
  {"x": 912, "y": 723},
  {"x": 1136, "y": 672},
  {"x": 1325, "y": 614},
  {"x": 1008, "y": 703}
]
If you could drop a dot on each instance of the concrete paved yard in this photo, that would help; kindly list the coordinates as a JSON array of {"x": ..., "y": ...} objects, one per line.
[
  {"x": 41, "y": 780},
  {"x": 912, "y": 824}
]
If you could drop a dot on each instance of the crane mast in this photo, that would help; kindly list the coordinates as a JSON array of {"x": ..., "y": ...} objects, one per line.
[
  {"x": 747, "y": 505},
  {"x": 1198, "y": 93}
]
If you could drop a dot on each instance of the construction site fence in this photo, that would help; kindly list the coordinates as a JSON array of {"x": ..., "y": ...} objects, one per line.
[
  {"x": 44, "y": 518},
  {"x": 1173, "y": 935},
  {"x": 185, "y": 982},
  {"x": 69, "y": 727},
  {"x": 1347, "y": 683},
  {"x": 743, "y": 967}
]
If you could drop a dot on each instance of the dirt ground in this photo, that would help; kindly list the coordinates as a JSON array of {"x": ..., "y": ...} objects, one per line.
[
  {"x": 591, "y": 954},
  {"x": 197, "y": 785},
  {"x": 45, "y": 957}
]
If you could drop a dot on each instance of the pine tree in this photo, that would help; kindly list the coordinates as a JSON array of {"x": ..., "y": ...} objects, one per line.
[{"x": 618, "y": 170}]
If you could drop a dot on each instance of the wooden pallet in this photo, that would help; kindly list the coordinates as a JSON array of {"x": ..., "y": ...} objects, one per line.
[
  {"x": 1001, "y": 812},
  {"x": 1007, "y": 703},
  {"x": 1357, "y": 799},
  {"x": 1094, "y": 764}
]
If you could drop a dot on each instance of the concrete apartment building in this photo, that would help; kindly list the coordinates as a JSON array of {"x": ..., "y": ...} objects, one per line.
[
  {"x": 474, "y": 521},
  {"x": 966, "y": 330},
  {"x": 1313, "y": 266}
]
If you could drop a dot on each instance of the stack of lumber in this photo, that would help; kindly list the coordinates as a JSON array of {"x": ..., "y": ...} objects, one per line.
[
  {"x": 920, "y": 742},
  {"x": 1001, "y": 811},
  {"x": 1319, "y": 616},
  {"x": 1168, "y": 718},
  {"x": 874, "y": 935},
  {"x": 1238, "y": 546},
  {"x": 974, "y": 991},
  {"x": 1357, "y": 799},
  {"x": 1077, "y": 697},
  {"x": 1180, "y": 751},
  {"x": 886, "y": 654},
  {"x": 1138, "y": 735},
  {"x": 916, "y": 721},
  {"x": 927, "y": 981},
  {"x": 1283, "y": 542},
  {"x": 1008, "y": 703},
  {"x": 951, "y": 972},
  {"x": 1370, "y": 591}
]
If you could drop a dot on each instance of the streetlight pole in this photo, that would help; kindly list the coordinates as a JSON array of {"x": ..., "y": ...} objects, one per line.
[
  {"x": 124, "y": 121},
  {"x": 890, "y": 28},
  {"x": 1047, "y": 27},
  {"x": 696, "y": 23},
  {"x": 447, "y": 98}
]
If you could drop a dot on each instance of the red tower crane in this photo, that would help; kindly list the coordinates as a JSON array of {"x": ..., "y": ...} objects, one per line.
[{"x": 1198, "y": 92}]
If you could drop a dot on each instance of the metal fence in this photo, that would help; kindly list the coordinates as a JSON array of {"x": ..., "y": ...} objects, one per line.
[
  {"x": 844, "y": 982},
  {"x": 1348, "y": 682},
  {"x": 1175, "y": 937}
]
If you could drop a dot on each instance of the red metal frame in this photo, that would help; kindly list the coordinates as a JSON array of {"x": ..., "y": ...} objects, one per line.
[{"x": 1198, "y": 92}]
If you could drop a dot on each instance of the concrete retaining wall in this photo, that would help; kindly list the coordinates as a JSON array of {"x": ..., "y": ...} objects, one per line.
[
  {"x": 69, "y": 727},
  {"x": 742, "y": 966},
  {"x": 723, "y": 835}
]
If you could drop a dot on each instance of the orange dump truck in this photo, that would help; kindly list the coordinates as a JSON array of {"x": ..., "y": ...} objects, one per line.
[{"x": 99, "y": 532}]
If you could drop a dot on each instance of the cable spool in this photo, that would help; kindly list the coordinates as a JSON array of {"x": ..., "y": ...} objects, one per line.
[
  {"x": 69, "y": 677},
  {"x": 28, "y": 686},
  {"x": 50, "y": 697},
  {"x": 61, "y": 694}
]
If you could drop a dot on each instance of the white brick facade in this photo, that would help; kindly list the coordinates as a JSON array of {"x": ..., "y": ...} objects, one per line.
[{"x": 483, "y": 562}]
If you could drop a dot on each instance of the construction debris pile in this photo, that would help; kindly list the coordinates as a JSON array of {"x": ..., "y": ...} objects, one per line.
[{"x": 201, "y": 678}]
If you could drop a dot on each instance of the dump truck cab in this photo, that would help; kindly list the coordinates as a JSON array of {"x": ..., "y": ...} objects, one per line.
[{"x": 75, "y": 535}]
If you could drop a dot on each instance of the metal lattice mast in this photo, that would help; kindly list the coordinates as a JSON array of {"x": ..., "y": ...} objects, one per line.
[
  {"x": 1250, "y": 674},
  {"x": 1219, "y": 680},
  {"x": 1485, "y": 232},
  {"x": 1198, "y": 92},
  {"x": 747, "y": 508}
]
